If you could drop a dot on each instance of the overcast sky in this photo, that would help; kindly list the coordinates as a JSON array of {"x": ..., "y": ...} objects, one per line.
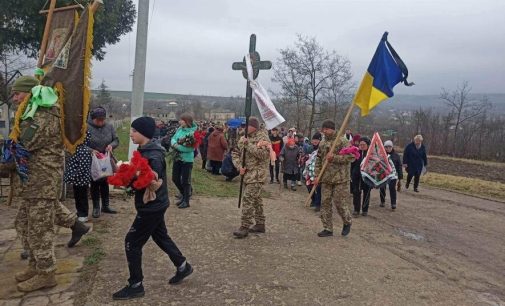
[{"x": 192, "y": 43}]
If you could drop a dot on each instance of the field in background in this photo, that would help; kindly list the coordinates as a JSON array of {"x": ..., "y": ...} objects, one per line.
[{"x": 482, "y": 170}]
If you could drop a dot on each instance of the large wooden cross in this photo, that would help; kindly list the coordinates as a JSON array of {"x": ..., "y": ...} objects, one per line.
[{"x": 257, "y": 65}]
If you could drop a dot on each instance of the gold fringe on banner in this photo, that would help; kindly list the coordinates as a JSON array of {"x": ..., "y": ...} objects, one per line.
[
  {"x": 71, "y": 147},
  {"x": 16, "y": 131}
]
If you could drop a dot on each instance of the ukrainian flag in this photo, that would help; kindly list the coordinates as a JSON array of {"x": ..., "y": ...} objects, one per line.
[{"x": 384, "y": 72}]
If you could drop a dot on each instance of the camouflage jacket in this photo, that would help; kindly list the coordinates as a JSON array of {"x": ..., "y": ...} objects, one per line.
[
  {"x": 337, "y": 171},
  {"x": 257, "y": 159},
  {"x": 41, "y": 136}
]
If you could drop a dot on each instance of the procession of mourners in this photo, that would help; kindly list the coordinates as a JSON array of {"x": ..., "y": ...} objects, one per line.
[
  {"x": 280, "y": 155},
  {"x": 58, "y": 140}
]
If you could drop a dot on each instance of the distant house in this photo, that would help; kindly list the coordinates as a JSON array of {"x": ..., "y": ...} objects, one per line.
[
  {"x": 161, "y": 115},
  {"x": 219, "y": 115}
]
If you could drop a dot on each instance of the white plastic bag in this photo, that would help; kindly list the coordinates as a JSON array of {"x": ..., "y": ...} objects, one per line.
[
  {"x": 101, "y": 168},
  {"x": 424, "y": 171}
]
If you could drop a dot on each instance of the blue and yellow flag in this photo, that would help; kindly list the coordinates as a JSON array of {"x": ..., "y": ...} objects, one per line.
[{"x": 384, "y": 72}]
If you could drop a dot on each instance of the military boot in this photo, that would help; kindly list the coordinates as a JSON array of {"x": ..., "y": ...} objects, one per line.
[
  {"x": 79, "y": 229},
  {"x": 242, "y": 232},
  {"x": 40, "y": 281},
  {"x": 257, "y": 228},
  {"x": 28, "y": 273}
]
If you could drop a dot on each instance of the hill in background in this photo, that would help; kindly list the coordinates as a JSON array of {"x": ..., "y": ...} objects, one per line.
[{"x": 399, "y": 102}]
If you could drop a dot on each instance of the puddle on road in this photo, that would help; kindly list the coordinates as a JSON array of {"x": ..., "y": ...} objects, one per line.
[
  {"x": 410, "y": 235},
  {"x": 489, "y": 299}
]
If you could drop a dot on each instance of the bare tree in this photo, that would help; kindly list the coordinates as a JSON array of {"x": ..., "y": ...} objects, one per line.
[
  {"x": 294, "y": 85},
  {"x": 11, "y": 66},
  {"x": 463, "y": 107},
  {"x": 339, "y": 92},
  {"x": 306, "y": 71}
]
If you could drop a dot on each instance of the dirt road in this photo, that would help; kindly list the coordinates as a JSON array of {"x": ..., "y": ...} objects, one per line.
[{"x": 438, "y": 248}]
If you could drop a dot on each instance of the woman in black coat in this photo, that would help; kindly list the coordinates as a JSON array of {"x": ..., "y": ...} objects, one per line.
[
  {"x": 388, "y": 145},
  {"x": 357, "y": 183},
  {"x": 414, "y": 160}
]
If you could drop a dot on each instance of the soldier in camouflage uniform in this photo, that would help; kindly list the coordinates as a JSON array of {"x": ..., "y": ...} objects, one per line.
[
  {"x": 257, "y": 147},
  {"x": 39, "y": 209},
  {"x": 335, "y": 180}
]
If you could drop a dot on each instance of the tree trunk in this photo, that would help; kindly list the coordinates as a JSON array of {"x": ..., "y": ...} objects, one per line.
[{"x": 311, "y": 120}]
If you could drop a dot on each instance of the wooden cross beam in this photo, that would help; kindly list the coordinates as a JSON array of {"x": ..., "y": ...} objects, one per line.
[{"x": 257, "y": 64}]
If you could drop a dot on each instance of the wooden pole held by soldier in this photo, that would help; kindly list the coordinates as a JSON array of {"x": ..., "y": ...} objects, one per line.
[
  {"x": 52, "y": 8},
  {"x": 95, "y": 5},
  {"x": 45, "y": 36},
  {"x": 333, "y": 145}
]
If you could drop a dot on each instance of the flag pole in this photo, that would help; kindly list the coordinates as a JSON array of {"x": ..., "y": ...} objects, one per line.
[
  {"x": 95, "y": 5},
  {"x": 333, "y": 145},
  {"x": 45, "y": 37}
]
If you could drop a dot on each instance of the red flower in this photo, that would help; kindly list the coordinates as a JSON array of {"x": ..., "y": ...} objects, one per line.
[{"x": 137, "y": 173}]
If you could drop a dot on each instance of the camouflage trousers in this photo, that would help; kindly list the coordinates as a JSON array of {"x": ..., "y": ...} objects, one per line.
[
  {"x": 338, "y": 194},
  {"x": 35, "y": 224},
  {"x": 252, "y": 205}
]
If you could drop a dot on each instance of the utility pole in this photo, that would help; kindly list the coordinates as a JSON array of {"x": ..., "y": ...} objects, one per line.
[{"x": 139, "y": 72}]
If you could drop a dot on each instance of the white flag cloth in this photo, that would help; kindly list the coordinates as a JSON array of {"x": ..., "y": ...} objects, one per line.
[{"x": 267, "y": 109}]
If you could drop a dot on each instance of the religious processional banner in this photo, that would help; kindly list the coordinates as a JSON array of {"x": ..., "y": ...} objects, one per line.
[
  {"x": 60, "y": 31},
  {"x": 69, "y": 75}
]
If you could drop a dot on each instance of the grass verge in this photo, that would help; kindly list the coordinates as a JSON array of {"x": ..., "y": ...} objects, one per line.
[
  {"x": 97, "y": 252},
  {"x": 93, "y": 248},
  {"x": 123, "y": 133},
  {"x": 206, "y": 184},
  {"x": 470, "y": 186}
]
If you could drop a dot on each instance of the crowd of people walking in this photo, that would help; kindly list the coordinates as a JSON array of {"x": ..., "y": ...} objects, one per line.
[{"x": 278, "y": 155}]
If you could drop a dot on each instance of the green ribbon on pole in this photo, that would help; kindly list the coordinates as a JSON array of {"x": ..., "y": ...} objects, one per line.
[{"x": 42, "y": 96}]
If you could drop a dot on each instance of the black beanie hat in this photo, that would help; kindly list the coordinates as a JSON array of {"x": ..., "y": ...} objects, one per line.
[
  {"x": 328, "y": 124},
  {"x": 145, "y": 126},
  {"x": 317, "y": 136}
]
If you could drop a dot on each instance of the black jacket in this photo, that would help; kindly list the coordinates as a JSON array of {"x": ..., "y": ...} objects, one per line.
[
  {"x": 356, "y": 167},
  {"x": 397, "y": 162},
  {"x": 357, "y": 183},
  {"x": 155, "y": 154}
]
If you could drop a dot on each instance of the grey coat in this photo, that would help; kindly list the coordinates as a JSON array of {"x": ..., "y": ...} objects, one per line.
[
  {"x": 101, "y": 137},
  {"x": 290, "y": 159}
]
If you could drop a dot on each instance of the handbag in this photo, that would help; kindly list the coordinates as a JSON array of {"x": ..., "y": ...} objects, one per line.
[{"x": 101, "y": 167}]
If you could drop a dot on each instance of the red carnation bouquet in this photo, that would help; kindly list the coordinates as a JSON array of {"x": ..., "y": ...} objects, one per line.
[{"x": 135, "y": 175}]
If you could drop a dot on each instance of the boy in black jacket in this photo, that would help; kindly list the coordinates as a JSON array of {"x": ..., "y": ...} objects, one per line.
[{"x": 150, "y": 219}]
